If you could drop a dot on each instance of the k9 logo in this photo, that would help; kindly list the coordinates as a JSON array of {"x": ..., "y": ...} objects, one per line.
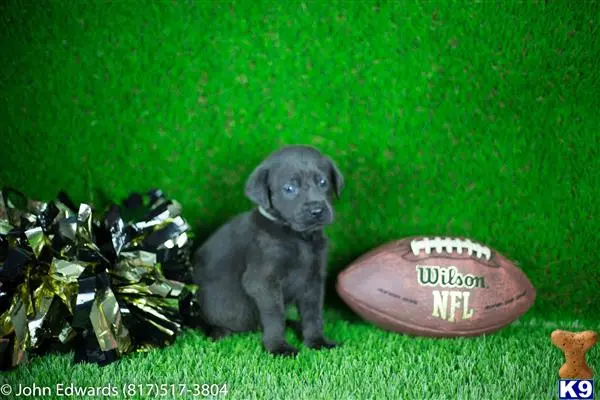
[{"x": 575, "y": 389}]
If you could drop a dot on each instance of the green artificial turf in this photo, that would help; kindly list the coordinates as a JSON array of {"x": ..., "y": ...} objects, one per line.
[
  {"x": 517, "y": 363},
  {"x": 477, "y": 119}
]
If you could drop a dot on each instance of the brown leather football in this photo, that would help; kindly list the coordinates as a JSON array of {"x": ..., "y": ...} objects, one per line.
[{"x": 441, "y": 287}]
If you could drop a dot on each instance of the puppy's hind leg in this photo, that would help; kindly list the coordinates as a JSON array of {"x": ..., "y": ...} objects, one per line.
[
  {"x": 224, "y": 310},
  {"x": 212, "y": 331},
  {"x": 217, "y": 333}
]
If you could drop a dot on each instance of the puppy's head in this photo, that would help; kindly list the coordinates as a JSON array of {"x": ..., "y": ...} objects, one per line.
[{"x": 296, "y": 185}]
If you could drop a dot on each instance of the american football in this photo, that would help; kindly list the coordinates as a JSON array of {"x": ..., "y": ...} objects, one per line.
[{"x": 439, "y": 287}]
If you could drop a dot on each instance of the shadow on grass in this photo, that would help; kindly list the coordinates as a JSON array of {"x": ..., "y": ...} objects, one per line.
[{"x": 332, "y": 298}]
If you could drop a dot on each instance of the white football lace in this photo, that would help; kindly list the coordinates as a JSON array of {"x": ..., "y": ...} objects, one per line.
[{"x": 449, "y": 244}]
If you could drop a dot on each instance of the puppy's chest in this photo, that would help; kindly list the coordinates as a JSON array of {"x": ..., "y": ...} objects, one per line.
[{"x": 301, "y": 267}]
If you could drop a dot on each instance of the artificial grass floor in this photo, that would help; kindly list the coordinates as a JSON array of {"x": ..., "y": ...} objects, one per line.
[
  {"x": 476, "y": 119},
  {"x": 519, "y": 362}
]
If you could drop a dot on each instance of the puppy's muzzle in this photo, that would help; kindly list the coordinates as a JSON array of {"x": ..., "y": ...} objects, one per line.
[{"x": 316, "y": 212}]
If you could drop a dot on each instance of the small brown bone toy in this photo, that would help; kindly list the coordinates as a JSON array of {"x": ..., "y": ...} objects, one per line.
[{"x": 574, "y": 345}]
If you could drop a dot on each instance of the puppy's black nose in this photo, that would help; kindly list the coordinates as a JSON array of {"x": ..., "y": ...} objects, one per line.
[{"x": 316, "y": 211}]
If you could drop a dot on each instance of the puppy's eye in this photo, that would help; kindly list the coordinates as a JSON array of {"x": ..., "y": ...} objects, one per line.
[
  {"x": 290, "y": 188},
  {"x": 322, "y": 182}
]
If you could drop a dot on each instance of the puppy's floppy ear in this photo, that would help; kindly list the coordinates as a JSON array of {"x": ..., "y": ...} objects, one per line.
[
  {"x": 336, "y": 177},
  {"x": 257, "y": 187}
]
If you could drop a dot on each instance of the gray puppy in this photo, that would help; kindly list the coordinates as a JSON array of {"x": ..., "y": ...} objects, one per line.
[{"x": 263, "y": 260}]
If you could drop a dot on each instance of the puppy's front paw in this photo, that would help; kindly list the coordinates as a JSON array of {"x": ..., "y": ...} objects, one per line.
[
  {"x": 282, "y": 349},
  {"x": 321, "y": 343}
]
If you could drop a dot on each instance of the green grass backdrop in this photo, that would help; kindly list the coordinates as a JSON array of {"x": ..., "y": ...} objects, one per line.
[{"x": 477, "y": 119}]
